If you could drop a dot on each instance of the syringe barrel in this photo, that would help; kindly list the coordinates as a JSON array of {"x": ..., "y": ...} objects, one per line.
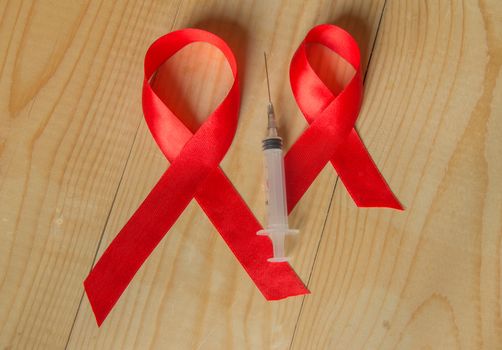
[{"x": 276, "y": 189}]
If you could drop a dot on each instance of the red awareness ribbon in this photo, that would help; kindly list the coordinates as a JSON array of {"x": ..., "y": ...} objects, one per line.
[
  {"x": 194, "y": 172},
  {"x": 331, "y": 136}
]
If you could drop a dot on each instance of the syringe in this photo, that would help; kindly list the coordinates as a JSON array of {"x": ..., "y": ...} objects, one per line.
[{"x": 277, "y": 225}]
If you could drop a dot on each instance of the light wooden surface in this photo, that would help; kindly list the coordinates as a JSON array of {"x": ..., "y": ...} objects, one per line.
[{"x": 76, "y": 159}]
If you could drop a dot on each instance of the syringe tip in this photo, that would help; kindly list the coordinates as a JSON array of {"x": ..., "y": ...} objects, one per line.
[
  {"x": 272, "y": 126},
  {"x": 270, "y": 109}
]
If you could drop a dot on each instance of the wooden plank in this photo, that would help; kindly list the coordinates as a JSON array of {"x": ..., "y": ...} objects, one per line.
[
  {"x": 69, "y": 110},
  {"x": 192, "y": 293},
  {"x": 429, "y": 277}
]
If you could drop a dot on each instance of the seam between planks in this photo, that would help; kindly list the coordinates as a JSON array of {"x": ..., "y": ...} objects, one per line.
[
  {"x": 334, "y": 187},
  {"x": 113, "y": 201}
]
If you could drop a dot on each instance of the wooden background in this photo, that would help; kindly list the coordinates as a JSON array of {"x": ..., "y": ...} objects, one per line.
[{"x": 76, "y": 159}]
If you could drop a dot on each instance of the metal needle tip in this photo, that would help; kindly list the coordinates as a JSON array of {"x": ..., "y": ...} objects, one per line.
[{"x": 268, "y": 82}]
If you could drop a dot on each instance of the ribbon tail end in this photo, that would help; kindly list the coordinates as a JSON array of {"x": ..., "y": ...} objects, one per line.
[
  {"x": 398, "y": 207},
  {"x": 390, "y": 205},
  {"x": 100, "y": 312},
  {"x": 289, "y": 295},
  {"x": 285, "y": 291},
  {"x": 389, "y": 200},
  {"x": 395, "y": 204}
]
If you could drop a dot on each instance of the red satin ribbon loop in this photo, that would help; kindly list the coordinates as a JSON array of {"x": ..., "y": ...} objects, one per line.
[
  {"x": 193, "y": 173},
  {"x": 331, "y": 136}
]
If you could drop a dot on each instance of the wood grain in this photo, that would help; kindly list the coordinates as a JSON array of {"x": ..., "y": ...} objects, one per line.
[
  {"x": 191, "y": 292},
  {"x": 69, "y": 112},
  {"x": 428, "y": 277},
  {"x": 76, "y": 159}
]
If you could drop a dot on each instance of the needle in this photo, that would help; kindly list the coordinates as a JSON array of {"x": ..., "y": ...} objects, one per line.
[{"x": 268, "y": 83}]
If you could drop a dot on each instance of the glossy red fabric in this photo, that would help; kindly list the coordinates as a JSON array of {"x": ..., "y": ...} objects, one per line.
[
  {"x": 194, "y": 170},
  {"x": 193, "y": 173},
  {"x": 331, "y": 136}
]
